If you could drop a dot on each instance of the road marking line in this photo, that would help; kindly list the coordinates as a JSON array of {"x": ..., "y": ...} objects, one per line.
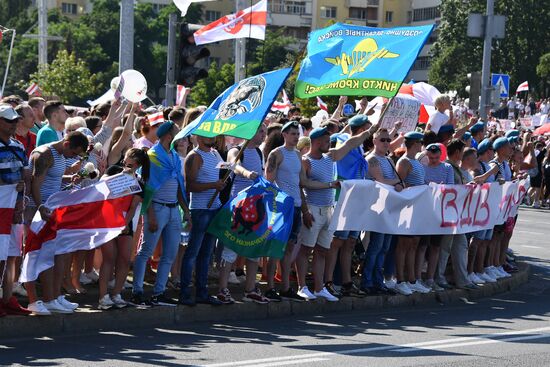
[
  {"x": 480, "y": 339},
  {"x": 529, "y": 232},
  {"x": 286, "y": 363},
  {"x": 528, "y": 246}
]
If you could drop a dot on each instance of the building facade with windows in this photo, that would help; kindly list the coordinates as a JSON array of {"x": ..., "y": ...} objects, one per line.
[{"x": 424, "y": 12}]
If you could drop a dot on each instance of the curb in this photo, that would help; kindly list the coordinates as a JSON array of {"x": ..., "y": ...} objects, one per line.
[{"x": 89, "y": 320}]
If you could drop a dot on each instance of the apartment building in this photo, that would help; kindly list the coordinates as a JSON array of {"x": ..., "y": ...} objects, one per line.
[{"x": 424, "y": 12}]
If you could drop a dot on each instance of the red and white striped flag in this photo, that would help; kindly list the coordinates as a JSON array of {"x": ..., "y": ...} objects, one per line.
[
  {"x": 180, "y": 93},
  {"x": 523, "y": 87},
  {"x": 8, "y": 196},
  {"x": 283, "y": 106},
  {"x": 322, "y": 105},
  {"x": 156, "y": 118},
  {"x": 81, "y": 220},
  {"x": 33, "y": 89},
  {"x": 247, "y": 23}
]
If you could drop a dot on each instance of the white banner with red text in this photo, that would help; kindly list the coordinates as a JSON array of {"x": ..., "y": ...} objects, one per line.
[
  {"x": 424, "y": 210},
  {"x": 80, "y": 220}
]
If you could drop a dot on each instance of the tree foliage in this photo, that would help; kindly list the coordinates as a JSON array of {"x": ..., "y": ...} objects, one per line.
[
  {"x": 543, "y": 68},
  {"x": 218, "y": 80},
  {"x": 67, "y": 78},
  {"x": 455, "y": 54}
]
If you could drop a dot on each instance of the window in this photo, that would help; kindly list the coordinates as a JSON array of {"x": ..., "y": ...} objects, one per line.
[
  {"x": 288, "y": 7},
  {"x": 422, "y": 63},
  {"x": 212, "y": 15},
  {"x": 358, "y": 13},
  {"x": 389, "y": 16},
  {"x": 424, "y": 14},
  {"x": 328, "y": 12},
  {"x": 68, "y": 8}
]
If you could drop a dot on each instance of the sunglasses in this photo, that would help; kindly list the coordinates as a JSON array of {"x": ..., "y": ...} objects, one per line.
[{"x": 385, "y": 140}]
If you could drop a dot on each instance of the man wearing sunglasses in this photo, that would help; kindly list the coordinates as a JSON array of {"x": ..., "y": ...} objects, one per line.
[{"x": 13, "y": 164}]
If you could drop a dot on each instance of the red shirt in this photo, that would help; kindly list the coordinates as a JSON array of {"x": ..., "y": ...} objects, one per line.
[{"x": 29, "y": 142}]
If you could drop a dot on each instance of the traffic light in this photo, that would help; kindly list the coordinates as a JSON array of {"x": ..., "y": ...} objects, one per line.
[
  {"x": 474, "y": 90},
  {"x": 188, "y": 74}
]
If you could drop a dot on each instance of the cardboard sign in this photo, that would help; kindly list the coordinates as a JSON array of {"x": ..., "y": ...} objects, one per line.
[{"x": 403, "y": 108}]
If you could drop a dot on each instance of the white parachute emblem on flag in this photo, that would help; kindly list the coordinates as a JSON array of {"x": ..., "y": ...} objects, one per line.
[{"x": 244, "y": 98}]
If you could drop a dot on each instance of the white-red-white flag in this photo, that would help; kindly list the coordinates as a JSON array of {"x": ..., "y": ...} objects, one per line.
[
  {"x": 322, "y": 105},
  {"x": 180, "y": 93},
  {"x": 283, "y": 106},
  {"x": 523, "y": 87},
  {"x": 33, "y": 89},
  {"x": 81, "y": 220},
  {"x": 156, "y": 118},
  {"x": 247, "y": 23},
  {"x": 8, "y": 196}
]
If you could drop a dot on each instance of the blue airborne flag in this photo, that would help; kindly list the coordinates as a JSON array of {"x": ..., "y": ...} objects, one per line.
[
  {"x": 351, "y": 60},
  {"x": 239, "y": 110},
  {"x": 257, "y": 222}
]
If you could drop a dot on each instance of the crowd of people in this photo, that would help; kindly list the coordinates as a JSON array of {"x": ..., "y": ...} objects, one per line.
[{"x": 46, "y": 147}]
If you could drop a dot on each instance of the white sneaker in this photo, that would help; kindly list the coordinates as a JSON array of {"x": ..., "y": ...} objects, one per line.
[
  {"x": 55, "y": 307},
  {"x": 93, "y": 276},
  {"x": 403, "y": 288},
  {"x": 68, "y": 305},
  {"x": 118, "y": 301},
  {"x": 504, "y": 273},
  {"x": 19, "y": 290},
  {"x": 390, "y": 283},
  {"x": 326, "y": 295},
  {"x": 486, "y": 277},
  {"x": 84, "y": 280},
  {"x": 492, "y": 271},
  {"x": 472, "y": 277},
  {"x": 418, "y": 287},
  {"x": 233, "y": 278},
  {"x": 305, "y": 293},
  {"x": 38, "y": 308},
  {"x": 105, "y": 303}
]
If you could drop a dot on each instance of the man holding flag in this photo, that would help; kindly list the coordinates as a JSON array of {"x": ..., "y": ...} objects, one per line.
[
  {"x": 14, "y": 168},
  {"x": 164, "y": 191}
]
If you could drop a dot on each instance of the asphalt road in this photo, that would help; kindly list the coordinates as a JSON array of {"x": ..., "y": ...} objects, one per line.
[{"x": 508, "y": 330}]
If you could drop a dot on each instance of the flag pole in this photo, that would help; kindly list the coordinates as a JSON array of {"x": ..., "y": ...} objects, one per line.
[
  {"x": 9, "y": 60},
  {"x": 226, "y": 176}
]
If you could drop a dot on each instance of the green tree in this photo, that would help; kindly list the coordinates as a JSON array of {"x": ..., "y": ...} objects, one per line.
[
  {"x": 543, "y": 68},
  {"x": 218, "y": 80},
  {"x": 271, "y": 53},
  {"x": 455, "y": 54},
  {"x": 67, "y": 78}
]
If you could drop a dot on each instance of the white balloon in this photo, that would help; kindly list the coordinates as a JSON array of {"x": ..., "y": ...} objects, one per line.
[
  {"x": 135, "y": 86},
  {"x": 114, "y": 83}
]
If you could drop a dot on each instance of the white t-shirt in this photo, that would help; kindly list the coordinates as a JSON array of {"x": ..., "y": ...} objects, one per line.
[{"x": 437, "y": 120}]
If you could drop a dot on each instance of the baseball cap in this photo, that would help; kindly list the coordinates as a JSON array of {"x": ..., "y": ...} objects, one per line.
[{"x": 7, "y": 112}]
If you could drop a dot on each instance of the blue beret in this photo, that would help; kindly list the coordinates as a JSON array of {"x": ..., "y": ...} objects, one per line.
[
  {"x": 466, "y": 136},
  {"x": 510, "y": 133},
  {"x": 433, "y": 148},
  {"x": 484, "y": 146},
  {"x": 318, "y": 132},
  {"x": 513, "y": 139},
  {"x": 290, "y": 124},
  {"x": 499, "y": 143},
  {"x": 477, "y": 127},
  {"x": 446, "y": 129},
  {"x": 164, "y": 128},
  {"x": 334, "y": 138},
  {"x": 358, "y": 120},
  {"x": 414, "y": 135}
]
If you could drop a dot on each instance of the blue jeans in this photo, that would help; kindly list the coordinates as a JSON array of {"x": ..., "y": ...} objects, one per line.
[
  {"x": 169, "y": 227},
  {"x": 389, "y": 261},
  {"x": 198, "y": 253},
  {"x": 374, "y": 260}
]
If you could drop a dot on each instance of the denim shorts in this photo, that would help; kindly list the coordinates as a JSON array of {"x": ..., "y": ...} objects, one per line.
[
  {"x": 344, "y": 235},
  {"x": 484, "y": 235}
]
